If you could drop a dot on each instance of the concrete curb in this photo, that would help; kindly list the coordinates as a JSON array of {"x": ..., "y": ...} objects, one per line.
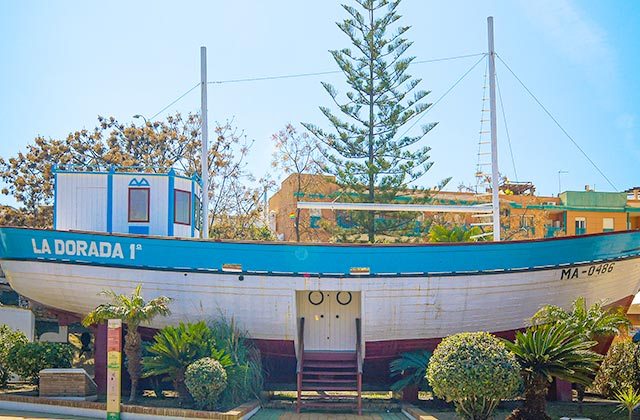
[{"x": 129, "y": 412}]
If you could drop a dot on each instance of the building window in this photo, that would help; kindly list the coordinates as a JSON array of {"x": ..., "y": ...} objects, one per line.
[
  {"x": 607, "y": 224},
  {"x": 316, "y": 215},
  {"x": 182, "y": 207},
  {"x": 139, "y": 204},
  {"x": 581, "y": 226}
]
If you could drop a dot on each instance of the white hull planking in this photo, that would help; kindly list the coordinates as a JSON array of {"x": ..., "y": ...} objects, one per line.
[{"x": 392, "y": 308}]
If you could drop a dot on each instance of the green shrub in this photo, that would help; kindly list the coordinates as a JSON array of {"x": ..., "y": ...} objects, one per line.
[
  {"x": 28, "y": 359},
  {"x": 8, "y": 339},
  {"x": 206, "y": 379},
  {"x": 618, "y": 371},
  {"x": 245, "y": 378},
  {"x": 475, "y": 371}
]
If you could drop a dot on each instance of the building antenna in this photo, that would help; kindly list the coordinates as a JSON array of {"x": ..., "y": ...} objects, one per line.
[
  {"x": 205, "y": 147},
  {"x": 495, "y": 200}
]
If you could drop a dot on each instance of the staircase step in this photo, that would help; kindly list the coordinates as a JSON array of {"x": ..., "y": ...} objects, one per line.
[
  {"x": 328, "y": 373},
  {"x": 328, "y": 381},
  {"x": 330, "y": 356},
  {"x": 334, "y": 365},
  {"x": 325, "y": 387}
]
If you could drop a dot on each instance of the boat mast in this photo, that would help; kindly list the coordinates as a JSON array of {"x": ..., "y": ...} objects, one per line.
[
  {"x": 495, "y": 200},
  {"x": 205, "y": 147}
]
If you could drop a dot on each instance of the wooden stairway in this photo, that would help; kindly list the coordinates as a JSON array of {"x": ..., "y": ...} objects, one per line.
[{"x": 334, "y": 371}]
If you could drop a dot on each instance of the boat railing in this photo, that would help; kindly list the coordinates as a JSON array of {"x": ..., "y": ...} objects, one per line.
[{"x": 360, "y": 362}]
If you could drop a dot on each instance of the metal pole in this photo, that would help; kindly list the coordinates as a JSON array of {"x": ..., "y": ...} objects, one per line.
[
  {"x": 495, "y": 200},
  {"x": 205, "y": 146}
]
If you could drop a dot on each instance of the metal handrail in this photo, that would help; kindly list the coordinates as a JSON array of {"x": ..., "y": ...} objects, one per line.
[
  {"x": 359, "y": 344},
  {"x": 300, "y": 344}
]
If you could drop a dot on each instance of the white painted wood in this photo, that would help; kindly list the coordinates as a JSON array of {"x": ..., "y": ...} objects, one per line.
[
  {"x": 329, "y": 325},
  {"x": 81, "y": 202},
  {"x": 393, "y": 308}
]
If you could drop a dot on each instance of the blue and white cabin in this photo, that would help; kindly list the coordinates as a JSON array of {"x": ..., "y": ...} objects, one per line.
[{"x": 163, "y": 204}]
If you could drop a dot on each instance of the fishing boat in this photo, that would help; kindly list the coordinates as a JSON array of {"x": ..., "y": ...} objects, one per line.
[{"x": 357, "y": 304}]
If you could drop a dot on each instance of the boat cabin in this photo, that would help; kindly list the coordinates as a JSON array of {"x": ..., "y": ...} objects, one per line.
[{"x": 117, "y": 201}]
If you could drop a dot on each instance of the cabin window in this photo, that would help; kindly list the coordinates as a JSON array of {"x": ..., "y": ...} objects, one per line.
[
  {"x": 198, "y": 216},
  {"x": 139, "y": 204},
  {"x": 581, "y": 226},
  {"x": 607, "y": 224},
  {"x": 182, "y": 207}
]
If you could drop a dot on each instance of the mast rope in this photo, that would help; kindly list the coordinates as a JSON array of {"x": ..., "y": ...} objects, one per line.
[
  {"x": 506, "y": 128},
  {"x": 443, "y": 95},
  {"x": 575, "y": 143}
]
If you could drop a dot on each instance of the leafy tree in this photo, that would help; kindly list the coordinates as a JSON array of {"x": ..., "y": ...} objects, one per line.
[
  {"x": 133, "y": 311},
  {"x": 299, "y": 155},
  {"x": 155, "y": 146},
  {"x": 175, "y": 348},
  {"x": 545, "y": 352},
  {"x": 366, "y": 151}
]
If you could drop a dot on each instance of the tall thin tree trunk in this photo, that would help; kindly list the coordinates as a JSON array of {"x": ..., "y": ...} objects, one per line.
[
  {"x": 297, "y": 209},
  {"x": 371, "y": 215},
  {"x": 133, "y": 350}
]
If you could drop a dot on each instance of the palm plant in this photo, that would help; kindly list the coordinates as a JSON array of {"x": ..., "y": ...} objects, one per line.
[
  {"x": 628, "y": 400},
  {"x": 132, "y": 310},
  {"x": 412, "y": 366},
  {"x": 439, "y": 233},
  {"x": 592, "y": 323},
  {"x": 546, "y": 352},
  {"x": 175, "y": 348}
]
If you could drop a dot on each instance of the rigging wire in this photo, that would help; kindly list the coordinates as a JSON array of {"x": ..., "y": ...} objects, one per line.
[
  {"x": 322, "y": 73},
  {"x": 506, "y": 130},
  {"x": 557, "y": 123},
  {"x": 479, "y": 173},
  {"x": 443, "y": 95},
  {"x": 179, "y": 97}
]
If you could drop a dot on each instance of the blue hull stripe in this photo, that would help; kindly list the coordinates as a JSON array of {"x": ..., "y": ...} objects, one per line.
[{"x": 280, "y": 258}]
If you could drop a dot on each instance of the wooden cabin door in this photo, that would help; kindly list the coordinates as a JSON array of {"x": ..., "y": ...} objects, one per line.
[{"x": 330, "y": 319}]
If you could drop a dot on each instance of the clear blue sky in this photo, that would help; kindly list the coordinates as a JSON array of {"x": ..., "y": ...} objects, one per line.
[{"x": 64, "y": 63}]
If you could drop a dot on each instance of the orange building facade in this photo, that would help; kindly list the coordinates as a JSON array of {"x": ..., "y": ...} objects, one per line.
[{"x": 523, "y": 216}]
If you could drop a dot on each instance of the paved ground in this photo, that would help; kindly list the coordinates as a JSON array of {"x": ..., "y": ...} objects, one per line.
[
  {"x": 272, "y": 414},
  {"x": 24, "y": 415}
]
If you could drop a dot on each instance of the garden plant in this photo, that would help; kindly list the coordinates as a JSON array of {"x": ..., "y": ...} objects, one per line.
[
  {"x": 628, "y": 399},
  {"x": 8, "y": 339},
  {"x": 475, "y": 371},
  {"x": 593, "y": 323},
  {"x": 412, "y": 369},
  {"x": 245, "y": 378},
  {"x": 28, "y": 359},
  {"x": 206, "y": 379},
  {"x": 174, "y": 348},
  {"x": 133, "y": 311},
  {"x": 619, "y": 370},
  {"x": 546, "y": 352}
]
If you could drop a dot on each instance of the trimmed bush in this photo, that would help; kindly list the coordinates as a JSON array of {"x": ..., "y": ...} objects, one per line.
[
  {"x": 28, "y": 359},
  {"x": 205, "y": 380},
  {"x": 8, "y": 339},
  {"x": 619, "y": 370},
  {"x": 474, "y": 371}
]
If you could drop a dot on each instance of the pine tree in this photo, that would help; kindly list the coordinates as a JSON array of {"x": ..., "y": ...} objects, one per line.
[{"x": 366, "y": 151}]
